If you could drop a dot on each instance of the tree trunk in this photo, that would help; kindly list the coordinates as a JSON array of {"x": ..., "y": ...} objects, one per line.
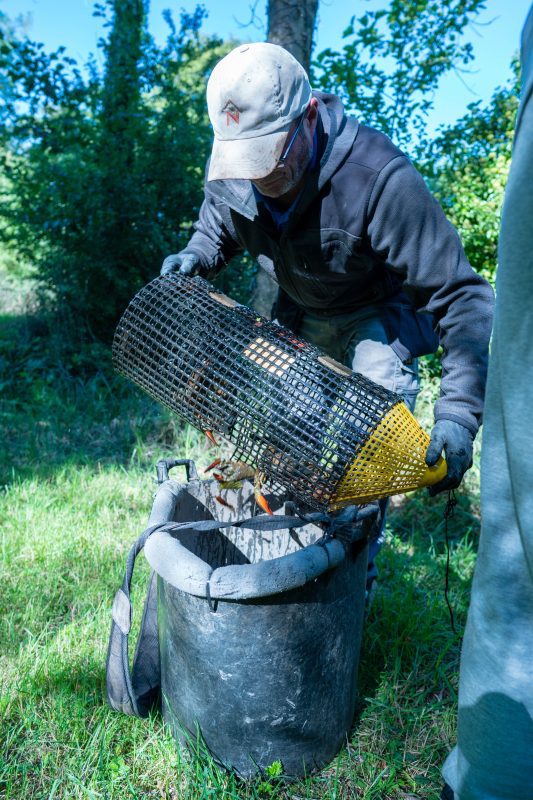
[{"x": 291, "y": 24}]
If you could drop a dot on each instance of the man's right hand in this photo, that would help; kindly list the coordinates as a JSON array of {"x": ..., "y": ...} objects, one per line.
[
  {"x": 456, "y": 441},
  {"x": 185, "y": 264}
]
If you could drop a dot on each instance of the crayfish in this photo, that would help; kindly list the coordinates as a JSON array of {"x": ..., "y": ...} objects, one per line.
[{"x": 230, "y": 476}]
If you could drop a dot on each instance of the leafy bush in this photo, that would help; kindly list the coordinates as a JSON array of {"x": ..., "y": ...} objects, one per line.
[
  {"x": 393, "y": 59},
  {"x": 104, "y": 173},
  {"x": 467, "y": 167}
]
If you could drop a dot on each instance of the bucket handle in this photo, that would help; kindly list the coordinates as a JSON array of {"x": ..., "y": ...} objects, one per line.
[{"x": 166, "y": 464}]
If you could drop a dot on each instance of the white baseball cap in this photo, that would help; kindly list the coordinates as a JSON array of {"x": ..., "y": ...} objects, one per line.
[{"x": 253, "y": 95}]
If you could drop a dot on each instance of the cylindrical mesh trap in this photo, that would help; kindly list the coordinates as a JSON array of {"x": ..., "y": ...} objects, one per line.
[{"x": 328, "y": 435}]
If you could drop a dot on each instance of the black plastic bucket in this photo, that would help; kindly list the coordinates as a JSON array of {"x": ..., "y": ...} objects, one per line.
[{"x": 259, "y": 631}]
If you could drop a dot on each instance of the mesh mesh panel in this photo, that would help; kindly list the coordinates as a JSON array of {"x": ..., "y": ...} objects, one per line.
[
  {"x": 291, "y": 412},
  {"x": 391, "y": 461}
]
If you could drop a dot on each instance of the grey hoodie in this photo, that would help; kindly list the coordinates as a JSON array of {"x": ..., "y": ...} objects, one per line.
[{"x": 365, "y": 230}]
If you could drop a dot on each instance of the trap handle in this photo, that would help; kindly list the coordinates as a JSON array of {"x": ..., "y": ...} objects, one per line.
[{"x": 166, "y": 464}]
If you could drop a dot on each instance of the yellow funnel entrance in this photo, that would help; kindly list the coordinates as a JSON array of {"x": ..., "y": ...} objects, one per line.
[{"x": 391, "y": 461}]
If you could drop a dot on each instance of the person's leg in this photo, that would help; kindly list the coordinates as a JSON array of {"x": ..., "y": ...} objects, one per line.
[
  {"x": 323, "y": 332},
  {"x": 365, "y": 350},
  {"x": 493, "y": 759},
  {"x": 359, "y": 341}
]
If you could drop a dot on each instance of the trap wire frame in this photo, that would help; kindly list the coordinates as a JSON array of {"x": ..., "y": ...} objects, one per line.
[{"x": 327, "y": 435}]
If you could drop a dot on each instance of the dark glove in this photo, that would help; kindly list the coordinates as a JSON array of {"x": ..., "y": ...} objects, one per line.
[
  {"x": 456, "y": 441},
  {"x": 186, "y": 264}
]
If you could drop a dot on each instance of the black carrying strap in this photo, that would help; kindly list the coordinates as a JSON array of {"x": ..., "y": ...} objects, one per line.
[{"x": 136, "y": 693}]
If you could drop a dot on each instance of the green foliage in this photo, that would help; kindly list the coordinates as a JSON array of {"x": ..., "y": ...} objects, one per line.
[
  {"x": 393, "y": 59},
  {"x": 104, "y": 173},
  {"x": 467, "y": 167},
  {"x": 6, "y": 43}
]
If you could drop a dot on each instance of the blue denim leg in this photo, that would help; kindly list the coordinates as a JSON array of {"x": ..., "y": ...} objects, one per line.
[{"x": 359, "y": 341}]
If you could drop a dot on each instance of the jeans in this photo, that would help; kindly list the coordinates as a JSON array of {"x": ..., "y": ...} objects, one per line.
[{"x": 359, "y": 341}]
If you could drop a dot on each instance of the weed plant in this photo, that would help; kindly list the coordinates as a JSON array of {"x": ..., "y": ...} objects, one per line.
[{"x": 76, "y": 467}]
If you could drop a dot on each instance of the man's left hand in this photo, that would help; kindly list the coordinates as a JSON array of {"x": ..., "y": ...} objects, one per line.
[
  {"x": 456, "y": 441},
  {"x": 183, "y": 264}
]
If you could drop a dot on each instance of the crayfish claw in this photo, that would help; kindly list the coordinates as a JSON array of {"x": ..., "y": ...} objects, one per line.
[
  {"x": 211, "y": 438},
  {"x": 262, "y": 503},
  {"x": 223, "y": 502}
]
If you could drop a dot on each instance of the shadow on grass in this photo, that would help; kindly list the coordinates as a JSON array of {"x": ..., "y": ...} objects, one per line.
[
  {"x": 411, "y": 605},
  {"x": 408, "y": 673},
  {"x": 65, "y": 406}
]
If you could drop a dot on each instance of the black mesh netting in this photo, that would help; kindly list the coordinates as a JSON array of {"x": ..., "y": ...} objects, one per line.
[{"x": 290, "y": 411}]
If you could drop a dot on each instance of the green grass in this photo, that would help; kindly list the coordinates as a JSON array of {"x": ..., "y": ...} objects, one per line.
[{"x": 78, "y": 448}]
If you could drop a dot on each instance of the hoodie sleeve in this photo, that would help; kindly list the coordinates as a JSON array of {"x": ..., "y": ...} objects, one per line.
[
  {"x": 214, "y": 240},
  {"x": 408, "y": 228}
]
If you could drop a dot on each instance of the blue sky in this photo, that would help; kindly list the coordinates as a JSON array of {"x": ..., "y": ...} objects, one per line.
[{"x": 495, "y": 36}]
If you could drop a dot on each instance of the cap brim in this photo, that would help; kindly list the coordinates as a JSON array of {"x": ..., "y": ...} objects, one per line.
[{"x": 246, "y": 159}]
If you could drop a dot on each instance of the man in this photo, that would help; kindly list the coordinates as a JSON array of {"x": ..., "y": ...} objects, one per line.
[
  {"x": 493, "y": 759},
  {"x": 343, "y": 221}
]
